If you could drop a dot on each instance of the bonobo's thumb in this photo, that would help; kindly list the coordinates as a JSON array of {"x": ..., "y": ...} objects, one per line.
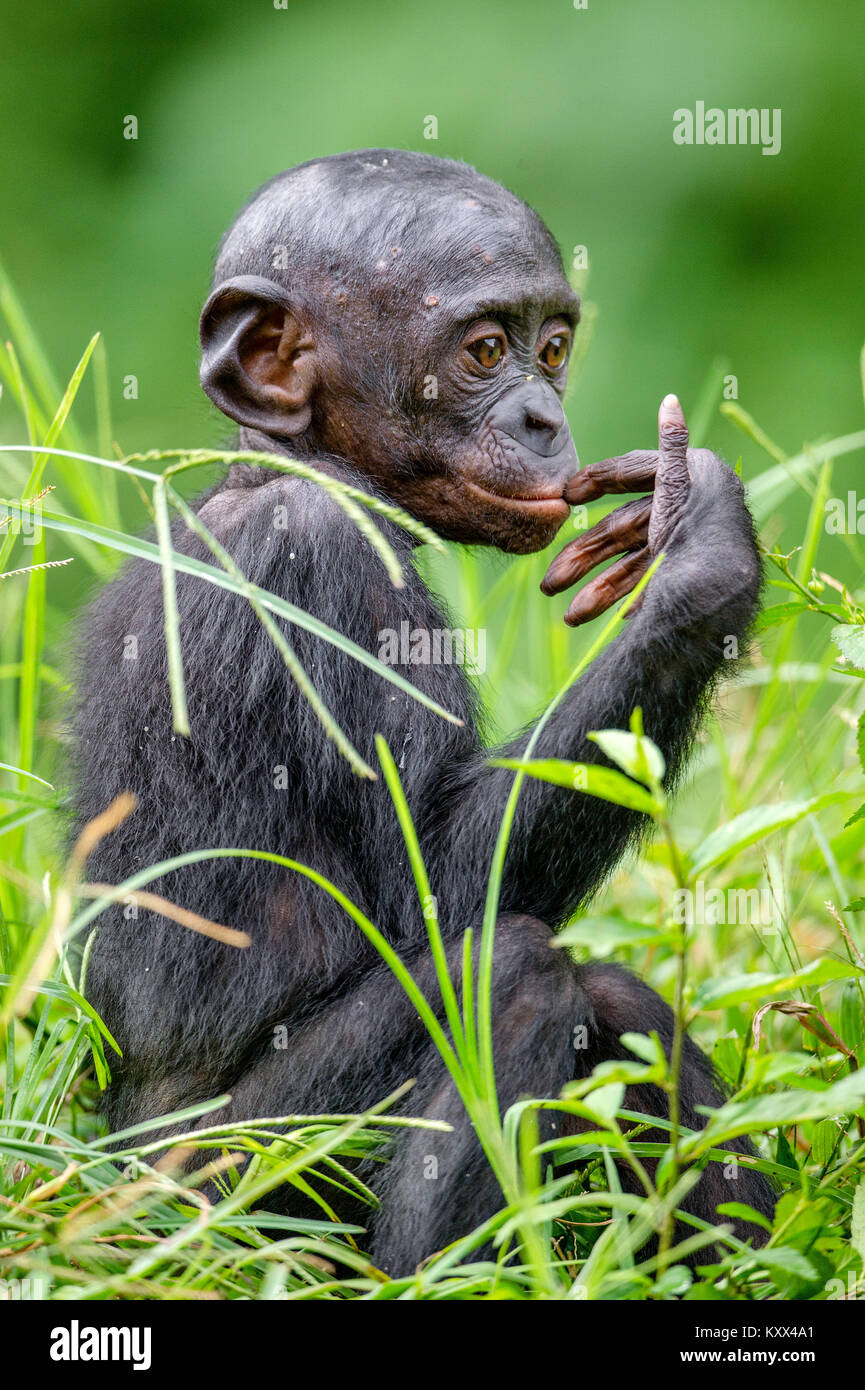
[{"x": 672, "y": 481}]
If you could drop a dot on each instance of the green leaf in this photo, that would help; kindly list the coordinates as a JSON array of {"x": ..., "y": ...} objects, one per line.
[
  {"x": 860, "y": 740},
  {"x": 744, "y": 1213},
  {"x": 602, "y": 935},
  {"x": 70, "y": 996},
  {"x": 13, "y": 820},
  {"x": 753, "y": 825},
  {"x": 759, "y": 1113},
  {"x": 783, "y": 1153},
  {"x": 779, "y": 613},
  {"x": 802, "y": 1218},
  {"x": 642, "y": 1045},
  {"x": 851, "y": 1021},
  {"x": 746, "y": 989},
  {"x": 638, "y": 756},
  {"x": 849, "y": 638},
  {"x": 768, "y": 489},
  {"x": 726, "y": 1055},
  {"x": 785, "y": 1260},
  {"x": 675, "y": 1280},
  {"x": 856, "y": 816},
  {"x": 603, "y": 782},
  {"x": 823, "y": 1141},
  {"x": 606, "y": 1101}
]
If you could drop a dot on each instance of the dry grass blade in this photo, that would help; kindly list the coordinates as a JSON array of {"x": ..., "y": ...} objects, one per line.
[{"x": 153, "y": 902}]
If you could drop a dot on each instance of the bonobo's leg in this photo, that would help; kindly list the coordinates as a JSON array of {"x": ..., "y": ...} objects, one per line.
[
  {"x": 370, "y": 1040},
  {"x": 439, "y": 1186}
]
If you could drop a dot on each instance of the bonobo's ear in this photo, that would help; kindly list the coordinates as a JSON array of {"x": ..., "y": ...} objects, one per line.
[{"x": 259, "y": 362}]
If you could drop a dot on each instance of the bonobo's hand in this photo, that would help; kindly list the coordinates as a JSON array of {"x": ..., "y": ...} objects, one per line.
[{"x": 640, "y": 530}]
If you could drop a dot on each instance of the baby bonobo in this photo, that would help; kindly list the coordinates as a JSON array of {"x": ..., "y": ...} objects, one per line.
[{"x": 404, "y": 324}]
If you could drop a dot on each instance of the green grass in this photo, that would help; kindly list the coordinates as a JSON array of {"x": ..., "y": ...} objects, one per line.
[{"x": 772, "y": 806}]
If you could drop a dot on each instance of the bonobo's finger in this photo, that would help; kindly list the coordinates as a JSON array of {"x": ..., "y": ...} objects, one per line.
[
  {"x": 633, "y": 472},
  {"x": 672, "y": 480},
  {"x": 613, "y": 584},
  {"x": 627, "y": 528}
]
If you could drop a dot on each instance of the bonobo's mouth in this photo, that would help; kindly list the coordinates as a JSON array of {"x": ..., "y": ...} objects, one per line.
[{"x": 551, "y": 504}]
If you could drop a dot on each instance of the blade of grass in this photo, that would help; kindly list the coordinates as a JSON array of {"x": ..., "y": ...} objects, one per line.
[
  {"x": 176, "y": 682},
  {"x": 331, "y": 728},
  {"x": 427, "y": 901},
  {"x": 135, "y": 546}
]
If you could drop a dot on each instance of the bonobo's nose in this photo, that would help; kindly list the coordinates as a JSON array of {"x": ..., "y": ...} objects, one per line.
[{"x": 532, "y": 415}]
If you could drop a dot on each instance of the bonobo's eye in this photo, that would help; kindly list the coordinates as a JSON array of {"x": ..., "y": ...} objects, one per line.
[
  {"x": 489, "y": 350},
  {"x": 554, "y": 353}
]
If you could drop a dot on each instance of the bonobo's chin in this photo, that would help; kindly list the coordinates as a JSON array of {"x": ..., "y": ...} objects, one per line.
[
  {"x": 517, "y": 524},
  {"x": 528, "y": 540}
]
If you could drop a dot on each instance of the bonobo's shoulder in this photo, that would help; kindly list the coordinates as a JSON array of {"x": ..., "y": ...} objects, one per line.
[
  {"x": 281, "y": 500},
  {"x": 280, "y": 514}
]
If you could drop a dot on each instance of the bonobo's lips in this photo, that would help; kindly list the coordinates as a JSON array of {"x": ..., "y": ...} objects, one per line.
[{"x": 550, "y": 504}]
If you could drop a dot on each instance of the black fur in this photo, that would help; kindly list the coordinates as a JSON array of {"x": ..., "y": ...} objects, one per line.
[{"x": 195, "y": 1018}]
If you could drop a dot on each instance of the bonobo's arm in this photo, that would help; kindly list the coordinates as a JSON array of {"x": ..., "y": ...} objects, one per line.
[{"x": 665, "y": 660}]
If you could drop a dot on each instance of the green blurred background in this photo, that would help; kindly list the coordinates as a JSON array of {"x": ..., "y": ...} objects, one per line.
[{"x": 695, "y": 253}]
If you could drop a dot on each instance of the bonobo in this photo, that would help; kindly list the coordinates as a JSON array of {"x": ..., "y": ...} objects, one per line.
[{"x": 345, "y": 288}]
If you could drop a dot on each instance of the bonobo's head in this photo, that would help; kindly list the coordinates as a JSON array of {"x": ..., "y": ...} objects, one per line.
[{"x": 408, "y": 315}]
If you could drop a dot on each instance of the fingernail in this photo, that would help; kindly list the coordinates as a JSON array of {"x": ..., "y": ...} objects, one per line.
[{"x": 671, "y": 418}]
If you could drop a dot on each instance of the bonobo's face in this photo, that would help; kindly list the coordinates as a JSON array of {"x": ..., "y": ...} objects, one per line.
[
  {"x": 428, "y": 343},
  {"x": 464, "y": 423},
  {"x": 493, "y": 442}
]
